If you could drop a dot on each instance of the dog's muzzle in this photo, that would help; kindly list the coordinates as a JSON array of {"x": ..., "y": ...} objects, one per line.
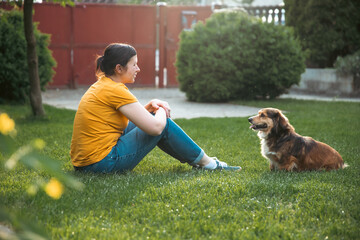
[{"x": 256, "y": 126}]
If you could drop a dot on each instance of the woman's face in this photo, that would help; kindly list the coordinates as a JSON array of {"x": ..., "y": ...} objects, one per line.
[{"x": 132, "y": 69}]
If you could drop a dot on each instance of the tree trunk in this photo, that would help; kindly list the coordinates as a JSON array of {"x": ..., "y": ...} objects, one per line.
[{"x": 32, "y": 59}]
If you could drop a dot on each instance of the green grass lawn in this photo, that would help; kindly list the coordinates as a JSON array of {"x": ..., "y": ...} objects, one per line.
[{"x": 164, "y": 199}]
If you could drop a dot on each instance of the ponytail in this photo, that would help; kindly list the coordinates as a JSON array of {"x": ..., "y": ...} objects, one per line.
[{"x": 99, "y": 67}]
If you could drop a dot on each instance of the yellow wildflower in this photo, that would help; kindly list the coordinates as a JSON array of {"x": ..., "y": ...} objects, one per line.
[
  {"x": 39, "y": 143},
  {"x": 54, "y": 188},
  {"x": 7, "y": 125}
]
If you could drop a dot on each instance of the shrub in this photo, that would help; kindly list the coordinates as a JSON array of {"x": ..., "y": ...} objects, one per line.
[
  {"x": 350, "y": 64},
  {"x": 327, "y": 28},
  {"x": 14, "y": 79},
  {"x": 235, "y": 56}
]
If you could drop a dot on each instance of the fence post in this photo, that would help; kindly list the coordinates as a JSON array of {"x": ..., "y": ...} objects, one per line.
[{"x": 162, "y": 23}]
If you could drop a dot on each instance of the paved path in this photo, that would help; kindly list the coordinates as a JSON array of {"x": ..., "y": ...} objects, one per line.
[{"x": 181, "y": 108}]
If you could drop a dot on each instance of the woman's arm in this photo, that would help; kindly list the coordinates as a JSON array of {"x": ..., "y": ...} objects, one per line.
[{"x": 136, "y": 113}]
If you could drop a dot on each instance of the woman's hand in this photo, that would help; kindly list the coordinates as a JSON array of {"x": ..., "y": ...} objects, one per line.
[{"x": 155, "y": 104}]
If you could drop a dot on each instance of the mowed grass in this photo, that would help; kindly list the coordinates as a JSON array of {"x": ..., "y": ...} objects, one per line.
[{"x": 164, "y": 199}]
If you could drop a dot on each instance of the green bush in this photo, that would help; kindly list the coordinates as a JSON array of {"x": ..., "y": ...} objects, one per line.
[
  {"x": 14, "y": 79},
  {"x": 350, "y": 64},
  {"x": 235, "y": 56},
  {"x": 327, "y": 28}
]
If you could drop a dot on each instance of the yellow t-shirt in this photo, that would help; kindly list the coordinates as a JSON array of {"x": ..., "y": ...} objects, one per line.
[{"x": 98, "y": 123}]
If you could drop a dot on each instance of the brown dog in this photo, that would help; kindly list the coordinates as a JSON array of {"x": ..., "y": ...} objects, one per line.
[{"x": 287, "y": 150}]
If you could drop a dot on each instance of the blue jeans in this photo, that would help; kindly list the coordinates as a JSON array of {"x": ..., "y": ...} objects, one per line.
[{"x": 134, "y": 144}]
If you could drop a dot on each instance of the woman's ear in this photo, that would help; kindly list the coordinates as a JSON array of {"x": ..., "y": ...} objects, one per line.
[{"x": 118, "y": 68}]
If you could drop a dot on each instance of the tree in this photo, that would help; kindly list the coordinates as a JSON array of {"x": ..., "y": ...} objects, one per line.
[
  {"x": 32, "y": 58},
  {"x": 326, "y": 28}
]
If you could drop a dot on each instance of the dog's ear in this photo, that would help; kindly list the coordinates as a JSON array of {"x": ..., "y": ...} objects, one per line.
[
  {"x": 284, "y": 122},
  {"x": 281, "y": 123}
]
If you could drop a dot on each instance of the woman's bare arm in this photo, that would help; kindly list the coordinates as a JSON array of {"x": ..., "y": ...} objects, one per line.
[{"x": 151, "y": 124}]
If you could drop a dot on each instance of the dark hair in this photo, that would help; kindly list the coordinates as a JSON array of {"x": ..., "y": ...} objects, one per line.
[{"x": 115, "y": 53}]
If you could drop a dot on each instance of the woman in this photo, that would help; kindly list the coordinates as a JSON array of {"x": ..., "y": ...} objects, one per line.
[{"x": 113, "y": 132}]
